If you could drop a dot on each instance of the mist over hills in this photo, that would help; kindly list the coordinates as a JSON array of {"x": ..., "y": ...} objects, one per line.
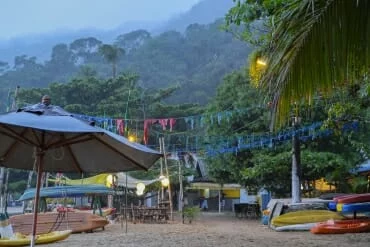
[{"x": 40, "y": 45}]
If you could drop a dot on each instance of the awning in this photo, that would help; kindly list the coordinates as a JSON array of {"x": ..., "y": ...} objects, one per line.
[{"x": 213, "y": 186}]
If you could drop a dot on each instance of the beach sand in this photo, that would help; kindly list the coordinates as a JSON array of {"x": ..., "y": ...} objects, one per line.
[{"x": 209, "y": 229}]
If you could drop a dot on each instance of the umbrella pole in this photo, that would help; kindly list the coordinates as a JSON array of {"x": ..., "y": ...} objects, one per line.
[{"x": 39, "y": 157}]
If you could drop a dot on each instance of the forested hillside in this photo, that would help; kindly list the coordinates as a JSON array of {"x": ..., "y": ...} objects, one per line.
[{"x": 195, "y": 60}]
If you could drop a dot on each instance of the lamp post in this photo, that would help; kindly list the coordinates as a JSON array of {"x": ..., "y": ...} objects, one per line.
[{"x": 296, "y": 162}]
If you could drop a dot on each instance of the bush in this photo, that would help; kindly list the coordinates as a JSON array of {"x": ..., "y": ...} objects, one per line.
[{"x": 190, "y": 213}]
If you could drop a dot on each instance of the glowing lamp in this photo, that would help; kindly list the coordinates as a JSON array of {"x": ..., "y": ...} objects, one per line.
[
  {"x": 109, "y": 181},
  {"x": 131, "y": 138},
  {"x": 261, "y": 62},
  {"x": 165, "y": 182},
  {"x": 140, "y": 187}
]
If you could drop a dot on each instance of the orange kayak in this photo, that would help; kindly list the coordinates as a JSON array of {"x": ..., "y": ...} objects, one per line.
[{"x": 342, "y": 226}]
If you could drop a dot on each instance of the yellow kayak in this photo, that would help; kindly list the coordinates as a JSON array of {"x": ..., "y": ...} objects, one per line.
[
  {"x": 19, "y": 239},
  {"x": 305, "y": 216}
]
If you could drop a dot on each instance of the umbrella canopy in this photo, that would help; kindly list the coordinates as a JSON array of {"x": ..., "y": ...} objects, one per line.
[
  {"x": 68, "y": 144},
  {"x": 62, "y": 143}
]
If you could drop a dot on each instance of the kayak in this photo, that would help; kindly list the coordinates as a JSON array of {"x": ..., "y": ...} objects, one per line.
[
  {"x": 354, "y": 198},
  {"x": 277, "y": 210},
  {"x": 331, "y": 196},
  {"x": 332, "y": 206},
  {"x": 296, "y": 227},
  {"x": 342, "y": 226},
  {"x": 19, "y": 239},
  {"x": 305, "y": 216},
  {"x": 335, "y": 199},
  {"x": 353, "y": 207}
]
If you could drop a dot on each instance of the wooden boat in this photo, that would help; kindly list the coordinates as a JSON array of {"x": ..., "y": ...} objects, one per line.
[
  {"x": 356, "y": 198},
  {"x": 305, "y": 216},
  {"x": 104, "y": 211},
  {"x": 342, "y": 226},
  {"x": 52, "y": 221},
  {"x": 22, "y": 240}
]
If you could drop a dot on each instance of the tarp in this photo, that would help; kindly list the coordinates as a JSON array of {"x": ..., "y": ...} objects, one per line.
[
  {"x": 362, "y": 168},
  {"x": 102, "y": 180}
]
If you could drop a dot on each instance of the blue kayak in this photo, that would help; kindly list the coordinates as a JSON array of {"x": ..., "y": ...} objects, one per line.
[
  {"x": 332, "y": 206},
  {"x": 67, "y": 191},
  {"x": 356, "y": 207}
]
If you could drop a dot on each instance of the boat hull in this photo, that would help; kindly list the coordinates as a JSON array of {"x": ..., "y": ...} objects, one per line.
[
  {"x": 54, "y": 221},
  {"x": 40, "y": 239},
  {"x": 342, "y": 226},
  {"x": 304, "y": 216}
]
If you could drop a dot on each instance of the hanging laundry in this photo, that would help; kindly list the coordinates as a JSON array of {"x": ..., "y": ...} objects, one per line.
[
  {"x": 163, "y": 123},
  {"x": 147, "y": 123},
  {"x": 120, "y": 124},
  {"x": 172, "y": 123}
]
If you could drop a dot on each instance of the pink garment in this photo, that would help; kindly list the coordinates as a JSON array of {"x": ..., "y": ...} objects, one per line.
[
  {"x": 120, "y": 126},
  {"x": 172, "y": 123},
  {"x": 163, "y": 123}
]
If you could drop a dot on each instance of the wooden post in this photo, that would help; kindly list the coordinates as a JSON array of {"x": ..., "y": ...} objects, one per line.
[{"x": 168, "y": 177}]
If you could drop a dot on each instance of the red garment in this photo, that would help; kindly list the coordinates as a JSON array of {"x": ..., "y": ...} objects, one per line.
[
  {"x": 120, "y": 126},
  {"x": 147, "y": 123}
]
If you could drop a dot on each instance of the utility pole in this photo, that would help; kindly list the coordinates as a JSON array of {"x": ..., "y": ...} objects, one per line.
[{"x": 296, "y": 162}]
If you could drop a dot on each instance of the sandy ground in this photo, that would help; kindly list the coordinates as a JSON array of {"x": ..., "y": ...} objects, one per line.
[{"x": 210, "y": 229}]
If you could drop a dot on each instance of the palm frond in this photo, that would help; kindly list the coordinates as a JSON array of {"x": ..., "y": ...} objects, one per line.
[{"x": 318, "y": 45}]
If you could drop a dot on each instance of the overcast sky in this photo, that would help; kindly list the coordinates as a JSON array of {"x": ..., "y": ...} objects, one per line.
[{"x": 18, "y": 17}]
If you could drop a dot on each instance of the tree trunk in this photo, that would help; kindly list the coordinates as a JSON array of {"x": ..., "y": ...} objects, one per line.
[{"x": 296, "y": 170}]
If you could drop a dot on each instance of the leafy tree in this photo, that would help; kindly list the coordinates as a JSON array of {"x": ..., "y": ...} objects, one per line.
[
  {"x": 133, "y": 40},
  {"x": 112, "y": 54}
]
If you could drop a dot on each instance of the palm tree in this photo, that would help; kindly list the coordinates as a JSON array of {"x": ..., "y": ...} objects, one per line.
[
  {"x": 112, "y": 54},
  {"x": 317, "y": 45}
]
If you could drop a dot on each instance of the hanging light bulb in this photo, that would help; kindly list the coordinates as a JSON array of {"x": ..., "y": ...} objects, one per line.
[
  {"x": 165, "y": 182},
  {"x": 140, "y": 187}
]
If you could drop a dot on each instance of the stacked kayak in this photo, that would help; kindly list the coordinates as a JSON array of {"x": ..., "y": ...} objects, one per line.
[
  {"x": 342, "y": 226},
  {"x": 19, "y": 239},
  {"x": 351, "y": 203},
  {"x": 302, "y": 220}
]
